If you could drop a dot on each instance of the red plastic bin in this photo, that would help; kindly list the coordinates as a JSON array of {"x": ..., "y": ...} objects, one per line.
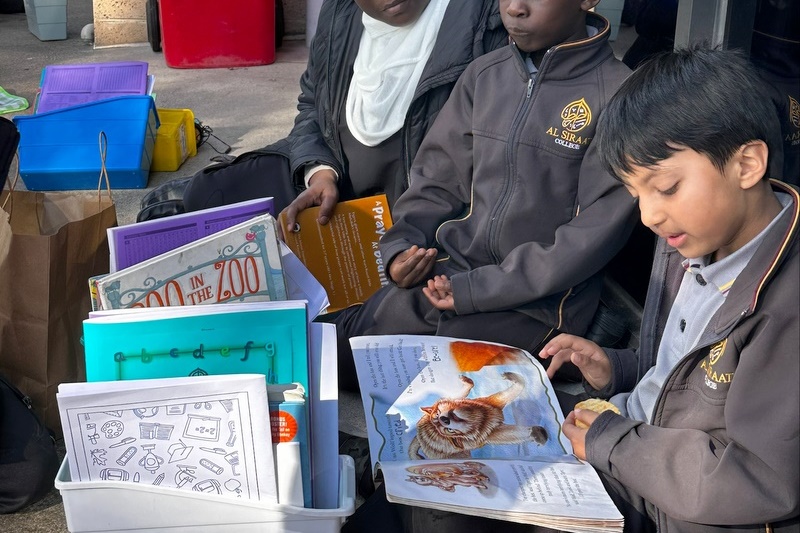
[{"x": 214, "y": 34}]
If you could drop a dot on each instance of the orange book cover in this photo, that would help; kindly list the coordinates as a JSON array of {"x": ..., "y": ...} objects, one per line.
[{"x": 343, "y": 254}]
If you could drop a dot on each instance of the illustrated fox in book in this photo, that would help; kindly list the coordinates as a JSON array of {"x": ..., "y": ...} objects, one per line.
[
  {"x": 452, "y": 427},
  {"x": 447, "y": 476}
]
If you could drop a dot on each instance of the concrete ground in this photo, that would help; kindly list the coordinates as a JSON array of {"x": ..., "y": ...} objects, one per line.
[{"x": 247, "y": 108}]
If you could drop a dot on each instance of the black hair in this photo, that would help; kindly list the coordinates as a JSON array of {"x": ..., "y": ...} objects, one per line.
[{"x": 711, "y": 101}]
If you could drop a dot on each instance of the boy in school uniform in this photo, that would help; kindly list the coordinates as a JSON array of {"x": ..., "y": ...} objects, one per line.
[
  {"x": 509, "y": 217},
  {"x": 707, "y": 439}
]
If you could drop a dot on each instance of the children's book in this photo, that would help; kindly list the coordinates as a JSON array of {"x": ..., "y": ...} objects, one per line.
[
  {"x": 288, "y": 417},
  {"x": 343, "y": 254},
  {"x": 301, "y": 284},
  {"x": 474, "y": 428},
  {"x": 324, "y": 416},
  {"x": 134, "y": 243},
  {"x": 267, "y": 338},
  {"x": 201, "y": 434},
  {"x": 238, "y": 264}
]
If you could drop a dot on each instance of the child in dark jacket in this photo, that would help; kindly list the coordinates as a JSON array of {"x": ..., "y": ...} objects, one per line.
[
  {"x": 378, "y": 73},
  {"x": 709, "y": 434},
  {"x": 509, "y": 217}
]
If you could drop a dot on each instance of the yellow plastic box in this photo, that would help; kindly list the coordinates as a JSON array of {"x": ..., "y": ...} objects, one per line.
[{"x": 175, "y": 140}]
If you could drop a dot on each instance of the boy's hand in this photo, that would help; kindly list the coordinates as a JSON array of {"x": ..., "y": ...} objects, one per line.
[
  {"x": 576, "y": 435},
  {"x": 412, "y": 266},
  {"x": 590, "y": 359},
  {"x": 440, "y": 293},
  {"x": 322, "y": 191}
]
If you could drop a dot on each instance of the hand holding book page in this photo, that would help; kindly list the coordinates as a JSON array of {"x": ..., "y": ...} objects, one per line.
[
  {"x": 474, "y": 428},
  {"x": 204, "y": 434}
]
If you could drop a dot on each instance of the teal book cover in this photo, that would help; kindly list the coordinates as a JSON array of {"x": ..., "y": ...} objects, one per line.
[{"x": 269, "y": 338}]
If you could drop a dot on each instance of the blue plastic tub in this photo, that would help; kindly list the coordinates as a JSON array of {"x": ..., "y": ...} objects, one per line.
[{"x": 60, "y": 149}]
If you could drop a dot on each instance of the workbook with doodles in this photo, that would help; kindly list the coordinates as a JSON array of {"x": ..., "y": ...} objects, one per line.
[{"x": 202, "y": 433}]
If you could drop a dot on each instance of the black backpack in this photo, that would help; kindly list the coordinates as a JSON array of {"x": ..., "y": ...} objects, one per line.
[
  {"x": 9, "y": 140},
  {"x": 28, "y": 458}
]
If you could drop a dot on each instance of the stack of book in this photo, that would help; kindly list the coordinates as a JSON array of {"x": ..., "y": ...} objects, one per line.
[{"x": 193, "y": 298}]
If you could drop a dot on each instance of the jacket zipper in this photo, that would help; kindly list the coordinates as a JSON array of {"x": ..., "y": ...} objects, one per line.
[
  {"x": 24, "y": 398},
  {"x": 335, "y": 108},
  {"x": 511, "y": 146}
]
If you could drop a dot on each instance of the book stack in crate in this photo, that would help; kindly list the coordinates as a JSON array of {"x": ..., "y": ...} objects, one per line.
[{"x": 206, "y": 317}]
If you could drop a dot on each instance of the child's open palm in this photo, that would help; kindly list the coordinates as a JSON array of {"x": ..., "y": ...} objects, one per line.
[
  {"x": 440, "y": 293},
  {"x": 412, "y": 266}
]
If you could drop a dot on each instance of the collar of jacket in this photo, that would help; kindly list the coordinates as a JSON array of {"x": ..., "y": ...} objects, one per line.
[
  {"x": 776, "y": 248},
  {"x": 574, "y": 58},
  {"x": 778, "y": 244}
]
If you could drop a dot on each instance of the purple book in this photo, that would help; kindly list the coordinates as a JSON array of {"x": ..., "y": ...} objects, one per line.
[
  {"x": 68, "y": 85},
  {"x": 134, "y": 243}
]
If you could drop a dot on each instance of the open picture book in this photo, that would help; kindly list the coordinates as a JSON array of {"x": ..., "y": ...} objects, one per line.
[{"x": 474, "y": 428}]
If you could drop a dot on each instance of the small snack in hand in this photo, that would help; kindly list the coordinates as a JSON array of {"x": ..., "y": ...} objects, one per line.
[{"x": 594, "y": 404}]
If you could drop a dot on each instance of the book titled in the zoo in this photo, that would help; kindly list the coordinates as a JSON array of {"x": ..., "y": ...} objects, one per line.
[{"x": 241, "y": 263}]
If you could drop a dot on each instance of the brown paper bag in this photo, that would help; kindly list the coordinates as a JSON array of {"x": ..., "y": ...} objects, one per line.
[{"x": 56, "y": 241}]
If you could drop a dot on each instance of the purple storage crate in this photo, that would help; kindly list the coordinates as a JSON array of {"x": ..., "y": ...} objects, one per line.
[{"x": 69, "y": 85}]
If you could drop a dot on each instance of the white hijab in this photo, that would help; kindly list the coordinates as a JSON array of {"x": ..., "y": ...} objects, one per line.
[{"x": 387, "y": 68}]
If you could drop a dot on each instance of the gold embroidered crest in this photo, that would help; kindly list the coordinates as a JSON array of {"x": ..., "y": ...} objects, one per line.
[
  {"x": 716, "y": 352},
  {"x": 713, "y": 377},
  {"x": 794, "y": 112},
  {"x": 576, "y": 116}
]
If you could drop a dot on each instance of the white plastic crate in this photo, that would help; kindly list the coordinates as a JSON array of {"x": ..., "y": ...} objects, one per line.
[{"x": 128, "y": 507}]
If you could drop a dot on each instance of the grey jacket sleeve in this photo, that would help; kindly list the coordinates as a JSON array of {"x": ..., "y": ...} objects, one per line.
[{"x": 744, "y": 471}]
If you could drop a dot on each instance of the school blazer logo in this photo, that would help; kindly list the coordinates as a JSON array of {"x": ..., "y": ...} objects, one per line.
[
  {"x": 794, "y": 112},
  {"x": 712, "y": 377},
  {"x": 574, "y": 117}
]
